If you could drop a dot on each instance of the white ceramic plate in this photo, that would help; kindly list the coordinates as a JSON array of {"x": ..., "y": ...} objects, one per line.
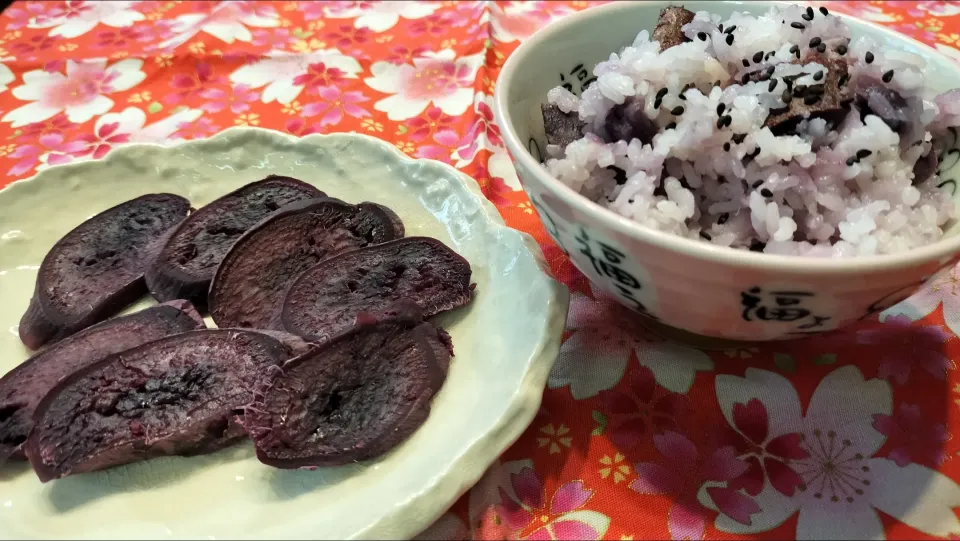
[{"x": 505, "y": 341}]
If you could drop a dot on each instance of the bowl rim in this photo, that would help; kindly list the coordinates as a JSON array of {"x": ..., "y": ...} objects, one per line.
[{"x": 941, "y": 250}]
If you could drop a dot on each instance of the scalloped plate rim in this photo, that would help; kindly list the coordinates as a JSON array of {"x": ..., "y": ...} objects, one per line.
[{"x": 423, "y": 508}]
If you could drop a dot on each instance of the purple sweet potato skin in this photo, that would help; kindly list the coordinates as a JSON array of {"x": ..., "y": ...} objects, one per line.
[
  {"x": 179, "y": 395},
  {"x": 96, "y": 269},
  {"x": 24, "y": 387},
  {"x": 326, "y": 299},
  {"x": 352, "y": 398},
  {"x": 249, "y": 285},
  {"x": 188, "y": 259}
]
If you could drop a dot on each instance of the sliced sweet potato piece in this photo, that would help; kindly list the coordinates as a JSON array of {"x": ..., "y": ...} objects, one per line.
[
  {"x": 249, "y": 286},
  {"x": 352, "y": 398},
  {"x": 326, "y": 299},
  {"x": 96, "y": 269},
  {"x": 179, "y": 395},
  {"x": 24, "y": 387},
  {"x": 669, "y": 26},
  {"x": 184, "y": 267}
]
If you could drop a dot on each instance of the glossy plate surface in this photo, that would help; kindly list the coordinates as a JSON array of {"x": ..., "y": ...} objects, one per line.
[{"x": 505, "y": 341}]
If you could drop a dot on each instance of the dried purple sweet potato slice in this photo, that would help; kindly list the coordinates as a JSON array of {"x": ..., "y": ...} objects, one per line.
[
  {"x": 24, "y": 387},
  {"x": 561, "y": 128},
  {"x": 96, "y": 269},
  {"x": 668, "y": 31},
  {"x": 326, "y": 299},
  {"x": 185, "y": 265},
  {"x": 249, "y": 286},
  {"x": 352, "y": 398},
  {"x": 179, "y": 395}
]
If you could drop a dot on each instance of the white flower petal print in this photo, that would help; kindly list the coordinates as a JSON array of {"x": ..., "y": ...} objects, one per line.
[
  {"x": 942, "y": 288},
  {"x": 77, "y": 22},
  {"x": 279, "y": 70},
  {"x": 126, "y": 74},
  {"x": 228, "y": 32},
  {"x": 832, "y": 409},
  {"x": 586, "y": 369},
  {"x": 775, "y": 509},
  {"x": 228, "y": 22},
  {"x": 163, "y": 130},
  {"x": 501, "y": 166},
  {"x": 6, "y": 77},
  {"x": 82, "y": 113},
  {"x": 846, "y": 522},
  {"x": 674, "y": 366},
  {"x": 387, "y": 76},
  {"x": 843, "y": 485},
  {"x": 769, "y": 388},
  {"x": 129, "y": 121},
  {"x": 920, "y": 497},
  {"x": 29, "y": 113},
  {"x": 456, "y": 103},
  {"x": 398, "y": 108},
  {"x": 383, "y": 16}
]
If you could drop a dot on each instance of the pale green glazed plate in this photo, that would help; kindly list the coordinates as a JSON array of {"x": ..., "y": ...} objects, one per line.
[{"x": 506, "y": 342}]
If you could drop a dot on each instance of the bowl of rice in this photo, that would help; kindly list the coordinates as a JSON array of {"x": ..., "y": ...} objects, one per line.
[{"x": 746, "y": 171}]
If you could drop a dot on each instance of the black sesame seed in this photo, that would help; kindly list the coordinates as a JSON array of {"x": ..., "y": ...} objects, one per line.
[
  {"x": 842, "y": 50},
  {"x": 814, "y": 42},
  {"x": 678, "y": 110},
  {"x": 851, "y": 160},
  {"x": 799, "y": 91},
  {"x": 729, "y": 39},
  {"x": 842, "y": 81},
  {"x": 755, "y": 152},
  {"x": 726, "y": 146},
  {"x": 818, "y": 75},
  {"x": 745, "y": 78},
  {"x": 810, "y": 99},
  {"x": 887, "y": 77},
  {"x": 720, "y": 123},
  {"x": 757, "y": 246},
  {"x": 798, "y": 26},
  {"x": 702, "y": 36},
  {"x": 806, "y": 17},
  {"x": 868, "y": 57},
  {"x": 863, "y": 153},
  {"x": 727, "y": 120},
  {"x": 739, "y": 137},
  {"x": 731, "y": 29},
  {"x": 661, "y": 93},
  {"x": 810, "y": 11},
  {"x": 756, "y": 184},
  {"x": 769, "y": 71},
  {"x": 746, "y": 63},
  {"x": 670, "y": 126},
  {"x": 682, "y": 97},
  {"x": 786, "y": 96},
  {"x": 766, "y": 193},
  {"x": 723, "y": 218},
  {"x": 720, "y": 108},
  {"x": 824, "y": 10},
  {"x": 772, "y": 85},
  {"x": 768, "y": 55},
  {"x": 822, "y": 48},
  {"x": 757, "y": 56},
  {"x": 720, "y": 27},
  {"x": 705, "y": 235},
  {"x": 656, "y": 103}
]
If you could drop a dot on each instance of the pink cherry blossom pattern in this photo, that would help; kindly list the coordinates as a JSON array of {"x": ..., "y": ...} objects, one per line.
[
  {"x": 636, "y": 410},
  {"x": 345, "y": 36},
  {"x": 21, "y": 13},
  {"x": 103, "y": 139},
  {"x": 318, "y": 76},
  {"x": 495, "y": 189},
  {"x": 529, "y": 516},
  {"x": 914, "y": 438},
  {"x": 429, "y": 123},
  {"x": 681, "y": 475},
  {"x": 904, "y": 346},
  {"x": 440, "y": 78},
  {"x": 405, "y": 55},
  {"x": 299, "y": 127},
  {"x": 70, "y": 9},
  {"x": 198, "y": 129},
  {"x": 434, "y": 25},
  {"x": 272, "y": 39},
  {"x": 336, "y": 104},
  {"x": 238, "y": 98},
  {"x": 483, "y": 133},
  {"x": 59, "y": 151},
  {"x": 188, "y": 85},
  {"x": 29, "y": 49},
  {"x": 448, "y": 141},
  {"x": 119, "y": 38},
  {"x": 768, "y": 458}
]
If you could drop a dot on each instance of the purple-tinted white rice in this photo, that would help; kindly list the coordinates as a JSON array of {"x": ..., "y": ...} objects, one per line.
[{"x": 820, "y": 206}]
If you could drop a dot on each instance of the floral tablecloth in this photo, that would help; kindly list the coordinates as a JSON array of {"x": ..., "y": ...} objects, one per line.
[{"x": 841, "y": 436}]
